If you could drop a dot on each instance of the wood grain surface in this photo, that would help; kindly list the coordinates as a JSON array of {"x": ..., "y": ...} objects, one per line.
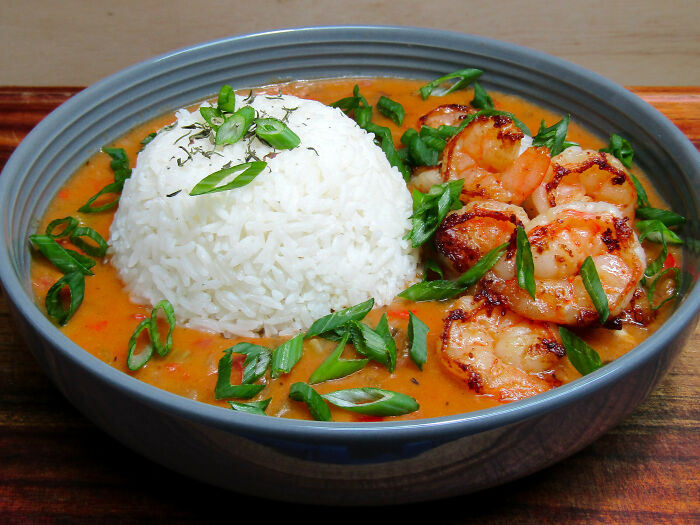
[{"x": 56, "y": 466}]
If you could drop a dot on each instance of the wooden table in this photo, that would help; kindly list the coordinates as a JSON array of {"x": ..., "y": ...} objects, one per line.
[{"x": 55, "y": 465}]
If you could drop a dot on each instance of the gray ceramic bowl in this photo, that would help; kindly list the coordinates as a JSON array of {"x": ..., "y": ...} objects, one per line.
[{"x": 360, "y": 463}]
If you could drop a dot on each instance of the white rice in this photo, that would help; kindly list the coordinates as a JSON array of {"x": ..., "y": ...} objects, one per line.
[{"x": 320, "y": 229}]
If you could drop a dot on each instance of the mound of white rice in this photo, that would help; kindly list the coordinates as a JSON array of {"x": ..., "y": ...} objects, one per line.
[{"x": 320, "y": 229}]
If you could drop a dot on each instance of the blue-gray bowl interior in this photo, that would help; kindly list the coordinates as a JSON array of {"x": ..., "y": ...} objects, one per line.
[{"x": 105, "y": 111}]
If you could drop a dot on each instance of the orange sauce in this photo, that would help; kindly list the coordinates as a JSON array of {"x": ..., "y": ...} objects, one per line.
[{"x": 107, "y": 318}]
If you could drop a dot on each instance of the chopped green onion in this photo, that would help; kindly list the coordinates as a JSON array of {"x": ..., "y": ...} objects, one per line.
[
  {"x": 226, "y": 100},
  {"x": 214, "y": 117},
  {"x": 75, "y": 281},
  {"x": 96, "y": 250},
  {"x": 642, "y": 198},
  {"x": 147, "y": 139},
  {"x": 384, "y": 332},
  {"x": 524, "y": 263},
  {"x": 256, "y": 363},
  {"x": 134, "y": 360},
  {"x": 391, "y": 109},
  {"x": 209, "y": 183},
  {"x": 591, "y": 281},
  {"x": 349, "y": 104},
  {"x": 429, "y": 209},
  {"x": 582, "y": 356},
  {"x": 236, "y": 126},
  {"x": 67, "y": 261},
  {"x": 224, "y": 388},
  {"x": 335, "y": 320},
  {"x": 383, "y": 136},
  {"x": 167, "y": 309},
  {"x": 419, "y": 153},
  {"x": 119, "y": 163},
  {"x": 433, "y": 266},
  {"x": 111, "y": 188},
  {"x": 669, "y": 218},
  {"x": 432, "y": 138},
  {"x": 285, "y": 356},
  {"x": 417, "y": 340},
  {"x": 70, "y": 222},
  {"x": 333, "y": 367},
  {"x": 372, "y": 401},
  {"x": 276, "y": 133},
  {"x": 318, "y": 408},
  {"x": 554, "y": 137},
  {"x": 620, "y": 148},
  {"x": 437, "y": 290},
  {"x": 464, "y": 78},
  {"x": 656, "y": 231},
  {"x": 251, "y": 407},
  {"x": 676, "y": 289},
  {"x": 481, "y": 99},
  {"x": 369, "y": 343}
]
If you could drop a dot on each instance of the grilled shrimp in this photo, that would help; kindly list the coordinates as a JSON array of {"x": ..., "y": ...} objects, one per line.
[
  {"x": 445, "y": 115},
  {"x": 468, "y": 234},
  {"x": 498, "y": 352},
  {"x": 585, "y": 175},
  {"x": 561, "y": 239},
  {"x": 496, "y": 161}
]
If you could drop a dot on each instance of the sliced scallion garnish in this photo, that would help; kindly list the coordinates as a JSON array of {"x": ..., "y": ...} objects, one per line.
[
  {"x": 584, "y": 358},
  {"x": 642, "y": 198},
  {"x": 71, "y": 223},
  {"x": 524, "y": 264},
  {"x": 119, "y": 163},
  {"x": 167, "y": 309},
  {"x": 678, "y": 276},
  {"x": 417, "y": 340},
  {"x": 419, "y": 152},
  {"x": 554, "y": 137},
  {"x": 209, "y": 183},
  {"x": 621, "y": 149},
  {"x": 235, "y": 127},
  {"x": 462, "y": 77},
  {"x": 391, "y": 109},
  {"x": 226, "y": 100},
  {"x": 318, "y": 408},
  {"x": 368, "y": 342},
  {"x": 333, "y": 367},
  {"x": 99, "y": 249},
  {"x": 111, "y": 188},
  {"x": 383, "y": 330},
  {"x": 75, "y": 282},
  {"x": 135, "y": 360},
  {"x": 251, "y": 407},
  {"x": 429, "y": 210},
  {"x": 382, "y": 135},
  {"x": 372, "y": 401},
  {"x": 285, "y": 356},
  {"x": 669, "y": 218},
  {"x": 657, "y": 231},
  {"x": 276, "y": 133},
  {"x": 257, "y": 361},
  {"x": 481, "y": 99},
  {"x": 213, "y": 116},
  {"x": 591, "y": 281},
  {"x": 224, "y": 388},
  {"x": 66, "y": 261},
  {"x": 330, "y": 322}
]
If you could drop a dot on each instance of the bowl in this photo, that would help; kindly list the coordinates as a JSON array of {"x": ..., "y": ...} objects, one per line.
[{"x": 341, "y": 463}]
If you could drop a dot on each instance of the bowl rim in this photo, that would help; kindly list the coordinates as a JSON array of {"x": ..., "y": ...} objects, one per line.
[{"x": 339, "y": 432}]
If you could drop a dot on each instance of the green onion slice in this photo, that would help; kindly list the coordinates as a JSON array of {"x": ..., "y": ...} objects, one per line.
[
  {"x": 213, "y": 116},
  {"x": 333, "y": 367},
  {"x": 75, "y": 281},
  {"x": 656, "y": 231},
  {"x": 584, "y": 358},
  {"x": 70, "y": 224},
  {"x": 147, "y": 139},
  {"x": 96, "y": 250},
  {"x": 134, "y": 360},
  {"x": 209, "y": 183},
  {"x": 383, "y": 137},
  {"x": 335, "y": 320},
  {"x": 384, "y": 331},
  {"x": 372, "y": 401},
  {"x": 642, "y": 198},
  {"x": 285, "y": 356},
  {"x": 391, "y": 109},
  {"x": 524, "y": 263},
  {"x": 430, "y": 209},
  {"x": 251, "y": 407},
  {"x": 111, "y": 188},
  {"x": 554, "y": 137},
  {"x": 463, "y": 78},
  {"x": 167, "y": 309},
  {"x": 67, "y": 261},
  {"x": 432, "y": 138},
  {"x": 419, "y": 153},
  {"x": 620, "y": 148},
  {"x": 417, "y": 340},
  {"x": 481, "y": 99},
  {"x": 677, "y": 275},
  {"x": 257, "y": 360},
  {"x": 440, "y": 289},
  {"x": 236, "y": 126},
  {"x": 318, "y": 408},
  {"x": 224, "y": 388},
  {"x": 119, "y": 163},
  {"x": 276, "y": 133},
  {"x": 591, "y": 281},
  {"x": 369, "y": 343},
  {"x": 433, "y": 266},
  {"x": 227, "y": 99},
  {"x": 669, "y": 218}
]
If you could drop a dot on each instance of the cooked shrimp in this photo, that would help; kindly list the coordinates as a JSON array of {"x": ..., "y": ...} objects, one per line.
[
  {"x": 561, "y": 239},
  {"x": 423, "y": 178},
  {"x": 498, "y": 352},
  {"x": 495, "y": 159},
  {"x": 468, "y": 234},
  {"x": 585, "y": 175},
  {"x": 446, "y": 115}
]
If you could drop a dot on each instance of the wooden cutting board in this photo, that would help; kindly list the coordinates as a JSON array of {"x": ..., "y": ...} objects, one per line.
[{"x": 55, "y": 465}]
